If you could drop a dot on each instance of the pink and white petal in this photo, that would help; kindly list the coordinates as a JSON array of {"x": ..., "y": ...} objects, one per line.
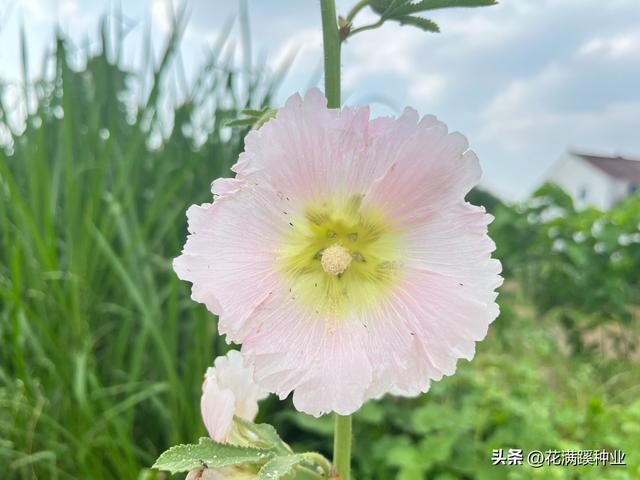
[
  {"x": 422, "y": 329},
  {"x": 234, "y": 375},
  {"x": 225, "y": 186},
  {"x": 447, "y": 318},
  {"x": 430, "y": 170},
  {"x": 217, "y": 406},
  {"x": 292, "y": 349},
  {"x": 344, "y": 372},
  {"x": 309, "y": 151},
  {"x": 247, "y": 405},
  {"x": 454, "y": 242},
  {"x": 231, "y": 253},
  {"x": 390, "y": 344}
]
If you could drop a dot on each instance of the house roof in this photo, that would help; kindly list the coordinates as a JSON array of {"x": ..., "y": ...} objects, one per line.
[{"x": 617, "y": 167}]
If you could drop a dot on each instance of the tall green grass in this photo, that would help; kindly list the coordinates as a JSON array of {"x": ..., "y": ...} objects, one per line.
[{"x": 101, "y": 350}]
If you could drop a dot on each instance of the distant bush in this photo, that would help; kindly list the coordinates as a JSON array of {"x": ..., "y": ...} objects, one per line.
[
  {"x": 478, "y": 196},
  {"x": 578, "y": 265}
]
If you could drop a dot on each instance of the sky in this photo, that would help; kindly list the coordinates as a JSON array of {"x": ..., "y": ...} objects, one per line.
[{"x": 525, "y": 81}]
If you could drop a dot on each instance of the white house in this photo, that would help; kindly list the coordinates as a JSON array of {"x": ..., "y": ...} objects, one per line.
[{"x": 595, "y": 180}]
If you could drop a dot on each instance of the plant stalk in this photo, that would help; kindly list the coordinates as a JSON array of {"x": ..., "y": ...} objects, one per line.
[
  {"x": 342, "y": 446},
  {"x": 331, "y": 42}
]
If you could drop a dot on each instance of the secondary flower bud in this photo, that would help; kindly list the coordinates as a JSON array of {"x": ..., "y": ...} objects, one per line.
[{"x": 228, "y": 390}]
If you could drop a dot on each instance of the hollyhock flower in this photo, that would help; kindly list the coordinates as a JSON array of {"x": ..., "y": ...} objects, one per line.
[
  {"x": 343, "y": 256},
  {"x": 228, "y": 390}
]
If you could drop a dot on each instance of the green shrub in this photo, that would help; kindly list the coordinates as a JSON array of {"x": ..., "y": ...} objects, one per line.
[{"x": 579, "y": 267}]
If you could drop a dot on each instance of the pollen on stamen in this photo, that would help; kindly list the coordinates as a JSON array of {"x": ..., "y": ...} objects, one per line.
[{"x": 335, "y": 259}]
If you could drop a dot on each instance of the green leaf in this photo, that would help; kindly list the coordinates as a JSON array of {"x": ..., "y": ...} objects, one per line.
[
  {"x": 395, "y": 9},
  {"x": 387, "y": 8},
  {"x": 420, "y": 22},
  {"x": 240, "y": 122},
  {"x": 279, "y": 467},
  {"x": 435, "y": 4},
  {"x": 253, "y": 117},
  {"x": 250, "y": 112},
  {"x": 211, "y": 454},
  {"x": 266, "y": 434},
  {"x": 267, "y": 115}
]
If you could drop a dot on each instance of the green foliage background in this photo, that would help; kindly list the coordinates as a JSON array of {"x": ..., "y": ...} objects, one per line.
[{"x": 102, "y": 351}]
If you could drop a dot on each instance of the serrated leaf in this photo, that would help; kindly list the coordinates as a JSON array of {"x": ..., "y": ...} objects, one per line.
[
  {"x": 394, "y": 9},
  {"x": 435, "y": 4},
  {"x": 420, "y": 22},
  {"x": 211, "y": 454},
  {"x": 386, "y": 8},
  {"x": 279, "y": 467},
  {"x": 425, "y": 5}
]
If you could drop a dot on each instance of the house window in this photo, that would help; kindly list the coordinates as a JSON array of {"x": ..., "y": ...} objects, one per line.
[
  {"x": 582, "y": 193},
  {"x": 633, "y": 188}
]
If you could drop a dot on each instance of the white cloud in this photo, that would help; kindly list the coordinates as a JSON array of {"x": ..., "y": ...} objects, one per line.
[
  {"x": 388, "y": 50},
  {"x": 541, "y": 135},
  {"x": 523, "y": 101},
  {"x": 527, "y": 127},
  {"x": 627, "y": 44},
  {"x": 427, "y": 88}
]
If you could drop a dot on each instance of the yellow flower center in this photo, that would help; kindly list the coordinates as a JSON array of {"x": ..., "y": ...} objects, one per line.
[
  {"x": 335, "y": 259},
  {"x": 339, "y": 257}
]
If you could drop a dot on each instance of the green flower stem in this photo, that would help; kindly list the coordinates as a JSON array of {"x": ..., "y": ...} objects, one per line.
[
  {"x": 331, "y": 41},
  {"x": 342, "y": 446}
]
